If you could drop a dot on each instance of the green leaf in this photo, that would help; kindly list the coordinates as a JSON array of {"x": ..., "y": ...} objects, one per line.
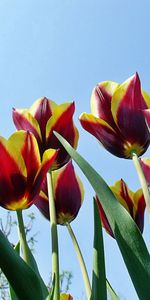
[
  {"x": 127, "y": 234},
  {"x": 21, "y": 277},
  {"x": 99, "y": 277},
  {"x": 27, "y": 254},
  {"x": 34, "y": 266},
  {"x": 13, "y": 295},
  {"x": 112, "y": 293}
]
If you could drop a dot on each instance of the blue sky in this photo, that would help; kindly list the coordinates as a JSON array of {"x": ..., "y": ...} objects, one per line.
[{"x": 61, "y": 49}]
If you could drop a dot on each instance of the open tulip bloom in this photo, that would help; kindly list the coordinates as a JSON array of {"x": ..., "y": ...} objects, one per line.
[
  {"x": 117, "y": 118},
  {"x": 22, "y": 171},
  {"x": 36, "y": 168},
  {"x": 42, "y": 118}
]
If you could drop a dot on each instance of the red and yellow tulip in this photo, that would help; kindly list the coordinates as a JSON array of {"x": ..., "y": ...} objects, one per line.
[
  {"x": 22, "y": 170},
  {"x": 117, "y": 118},
  {"x": 68, "y": 194},
  {"x": 133, "y": 202},
  {"x": 42, "y": 118}
]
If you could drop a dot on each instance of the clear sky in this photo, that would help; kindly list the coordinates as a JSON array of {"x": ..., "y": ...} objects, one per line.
[{"x": 61, "y": 49}]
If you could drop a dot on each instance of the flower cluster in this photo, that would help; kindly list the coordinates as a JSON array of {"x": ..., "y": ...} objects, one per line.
[
  {"x": 30, "y": 152},
  {"x": 36, "y": 168}
]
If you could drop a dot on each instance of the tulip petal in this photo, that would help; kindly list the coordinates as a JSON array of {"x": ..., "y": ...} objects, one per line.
[
  {"x": 49, "y": 157},
  {"x": 107, "y": 136},
  {"x": 101, "y": 101},
  {"x": 41, "y": 201},
  {"x": 61, "y": 121},
  {"x": 103, "y": 218},
  {"x": 145, "y": 164},
  {"x": 124, "y": 195},
  {"x": 12, "y": 177},
  {"x": 42, "y": 109},
  {"x": 26, "y": 142},
  {"x": 139, "y": 209},
  {"x": 127, "y": 106},
  {"x": 24, "y": 120},
  {"x": 147, "y": 116},
  {"x": 69, "y": 193}
]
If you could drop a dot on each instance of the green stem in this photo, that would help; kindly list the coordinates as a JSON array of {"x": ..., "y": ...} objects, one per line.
[
  {"x": 54, "y": 236},
  {"x": 22, "y": 236},
  {"x": 142, "y": 181},
  {"x": 81, "y": 262}
]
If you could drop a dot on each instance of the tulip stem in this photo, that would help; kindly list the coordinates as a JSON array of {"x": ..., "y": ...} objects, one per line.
[
  {"x": 54, "y": 236},
  {"x": 142, "y": 181},
  {"x": 81, "y": 261},
  {"x": 22, "y": 235}
]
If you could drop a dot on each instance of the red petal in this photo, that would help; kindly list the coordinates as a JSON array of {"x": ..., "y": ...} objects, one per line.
[
  {"x": 145, "y": 164},
  {"x": 68, "y": 194},
  {"x": 26, "y": 142},
  {"x": 127, "y": 106},
  {"x": 124, "y": 193},
  {"x": 101, "y": 101},
  {"x": 103, "y": 218},
  {"x": 49, "y": 157},
  {"x": 42, "y": 110},
  {"x": 23, "y": 120},
  {"x": 62, "y": 122},
  {"x": 12, "y": 177},
  {"x": 111, "y": 140},
  {"x": 147, "y": 116},
  {"x": 140, "y": 209}
]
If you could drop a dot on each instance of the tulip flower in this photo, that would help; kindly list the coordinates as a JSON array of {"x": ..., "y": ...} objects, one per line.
[
  {"x": 117, "y": 118},
  {"x": 22, "y": 170},
  {"x": 66, "y": 297},
  {"x": 68, "y": 194},
  {"x": 133, "y": 202},
  {"x": 42, "y": 118}
]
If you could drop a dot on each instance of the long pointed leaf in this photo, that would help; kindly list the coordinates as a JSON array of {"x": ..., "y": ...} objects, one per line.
[
  {"x": 21, "y": 277},
  {"x": 99, "y": 277},
  {"x": 112, "y": 293},
  {"x": 34, "y": 266},
  {"x": 13, "y": 295},
  {"x": 128, "y": 236}
]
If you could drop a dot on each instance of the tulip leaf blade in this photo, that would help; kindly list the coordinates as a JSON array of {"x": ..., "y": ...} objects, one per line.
[
  {"x": 112, "y": 293},
  {"x": 24, "y": 281},
  {"x": 99, "y": 276},
  {"x": 33, "y": 265},
  {"x": 13, "y": 295},
  {"x": 127, "y": 234}
]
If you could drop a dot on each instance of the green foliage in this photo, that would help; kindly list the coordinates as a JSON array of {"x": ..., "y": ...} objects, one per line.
[
  {"x": 99, "y": 277},
  {"x": 128, "y": 236}
]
